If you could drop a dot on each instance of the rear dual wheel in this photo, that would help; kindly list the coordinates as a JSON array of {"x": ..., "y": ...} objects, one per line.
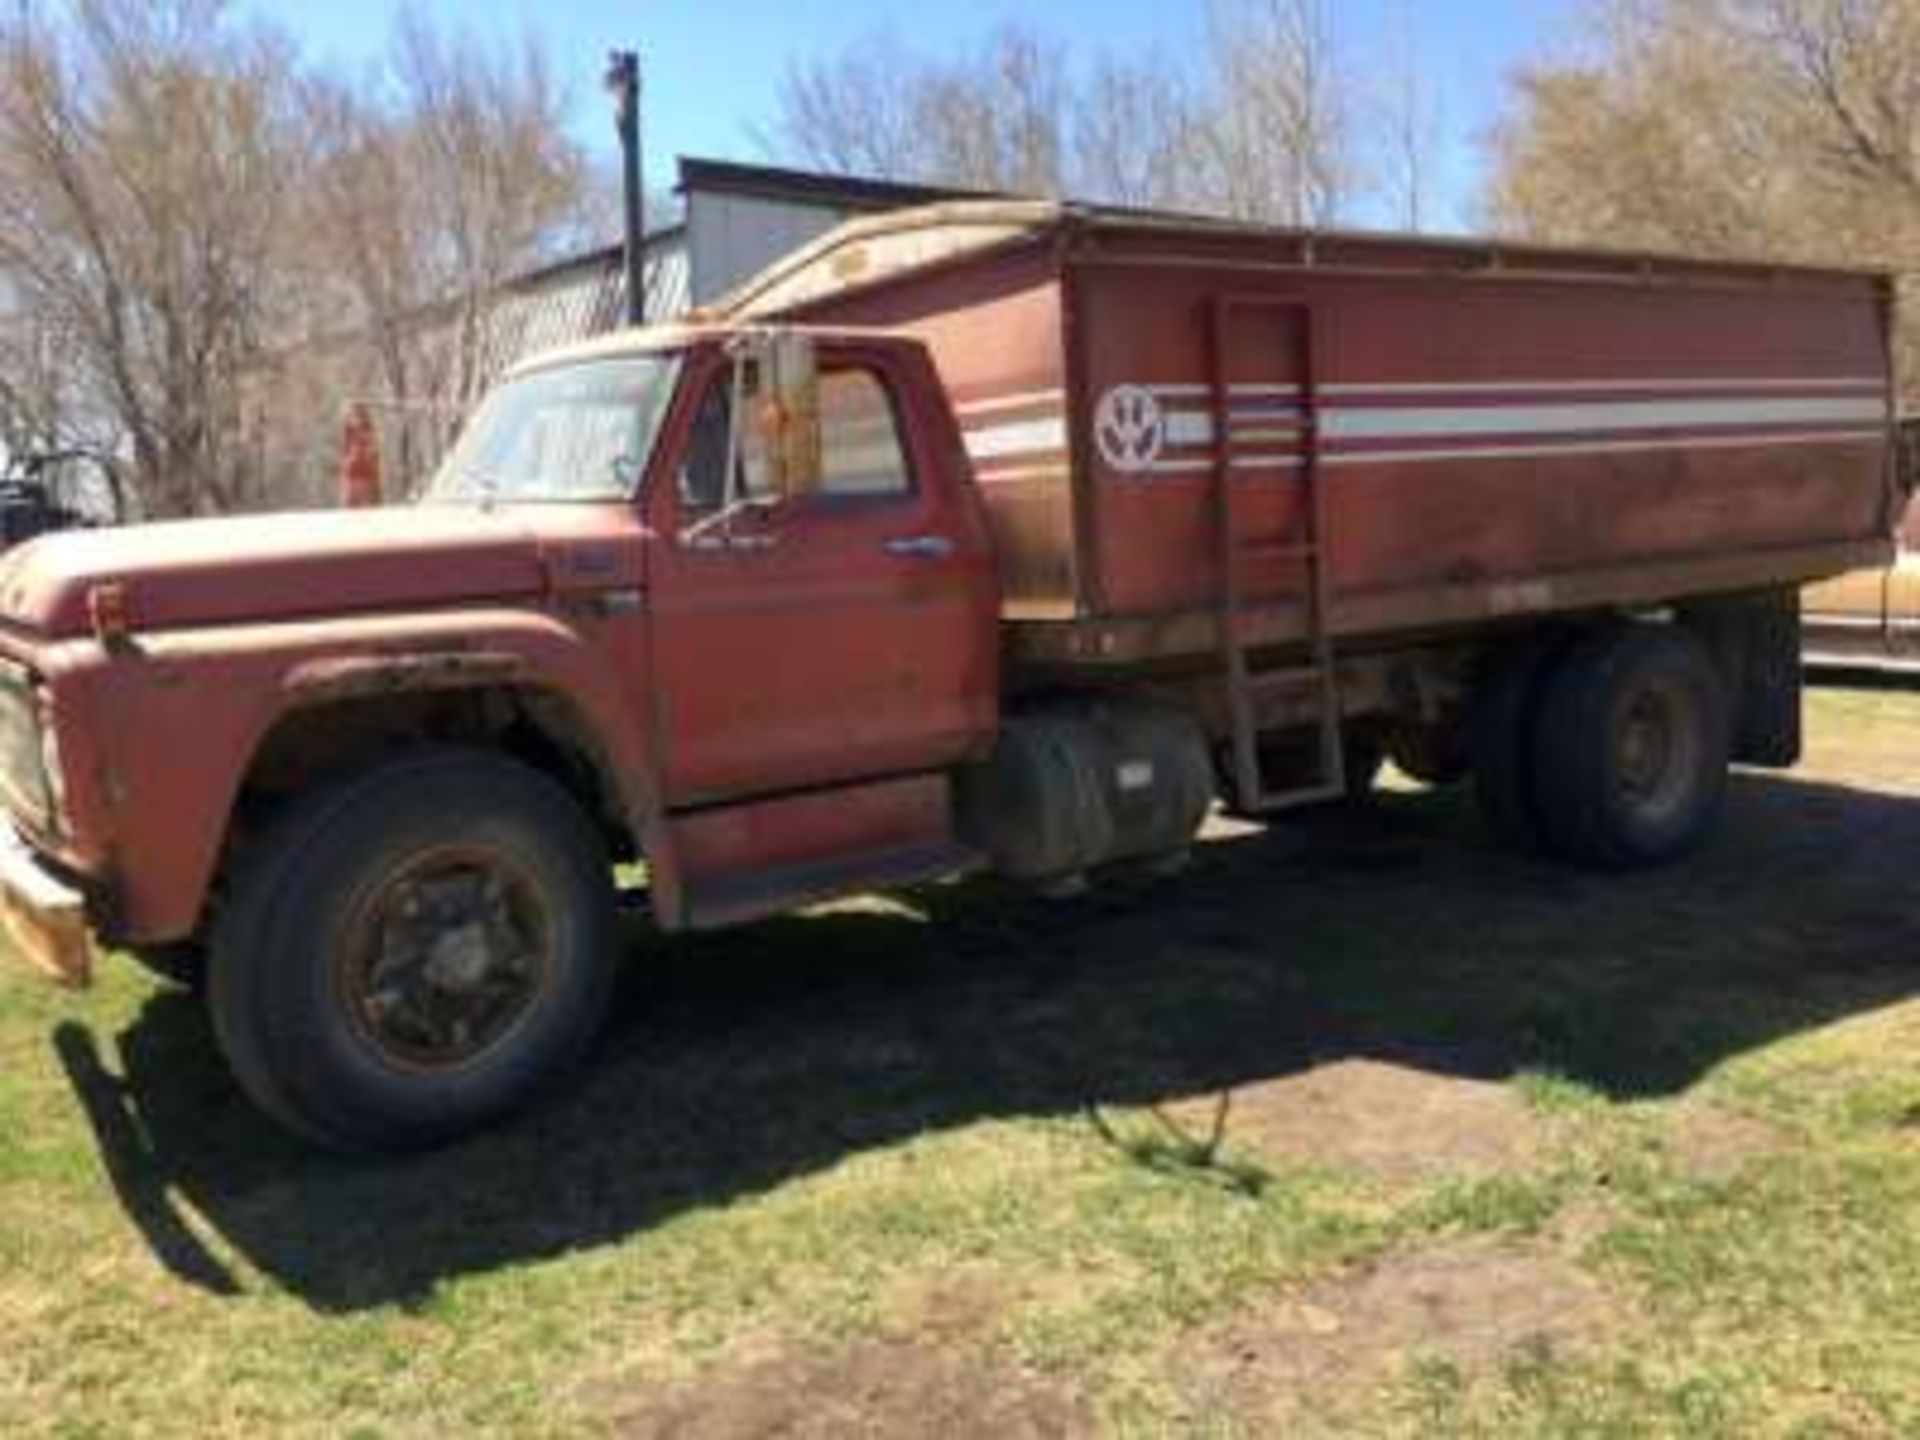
[
  {"x": 413, "y": 952},
  {"x": 1610, "y": 750}
]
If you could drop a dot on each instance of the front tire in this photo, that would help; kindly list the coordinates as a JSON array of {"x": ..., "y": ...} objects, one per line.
[{"x": 412, "y": 952}]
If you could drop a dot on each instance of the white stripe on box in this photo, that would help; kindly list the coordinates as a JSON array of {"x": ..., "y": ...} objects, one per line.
[
  {"x": 997, "y": 403},
  {"x": 1574, "y": 448},
  {"x": 1014, "y": 474},
  {"x": 1193, "y": 428},
  {"x": 1188, "y": 427},
  {"x": 1601, "y": 417},
  {"x": 1607, "y": 447},
  {"x": 1529, "y": 387},
  {"x": 1018, "y": 437}
]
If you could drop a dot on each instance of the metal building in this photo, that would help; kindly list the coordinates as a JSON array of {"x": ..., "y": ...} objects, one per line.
[{"x": 737, "y": 219}]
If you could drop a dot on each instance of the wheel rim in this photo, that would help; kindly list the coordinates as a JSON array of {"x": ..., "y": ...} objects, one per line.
[
  {"x": 1656, "y": 751},
  {"x": 446, "y": 956}
]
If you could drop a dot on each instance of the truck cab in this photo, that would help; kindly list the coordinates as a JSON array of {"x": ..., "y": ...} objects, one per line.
[{"x": 719, "y": 599}]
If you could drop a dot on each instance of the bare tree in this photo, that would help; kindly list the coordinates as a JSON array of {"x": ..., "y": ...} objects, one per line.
[
  {"x": 1849, "y": 67},
  {"x": 1265, "y": 130},
  {"x": 1137, "y": 136},
  {"x": 205, "y": 246},
  {"x": 148, "y": 152},
  {"x": 997, "y": 120},
  {"x": 33, "y": 408},
  {"x": 992, "y": 119},
  {"x": 1282, "y": 142},
  {"x": 1664, "y": 139},
  {"x": 1409, "y": 119},
  {"x": 432, "y": 189},
  {"x": 1781, "y": 127},
  {"x": 854, "y": 113},
  {"x": 482, "y": 129}
]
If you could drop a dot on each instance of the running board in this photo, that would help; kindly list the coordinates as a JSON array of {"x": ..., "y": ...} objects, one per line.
[{"x": 756, "y": 858}]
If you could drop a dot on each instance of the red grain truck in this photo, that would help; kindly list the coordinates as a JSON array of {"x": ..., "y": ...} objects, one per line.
[{"x": 988, "y": 536}]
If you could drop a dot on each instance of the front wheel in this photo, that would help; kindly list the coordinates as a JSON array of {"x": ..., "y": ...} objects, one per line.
[{"x": 414, "y": 951}]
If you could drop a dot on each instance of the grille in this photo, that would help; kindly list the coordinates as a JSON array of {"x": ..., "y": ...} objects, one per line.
[{"x": 23, "y": 773}]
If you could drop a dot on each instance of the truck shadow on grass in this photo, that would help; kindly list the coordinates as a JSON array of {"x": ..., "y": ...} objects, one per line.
[{"x": 738, "y": 1062}]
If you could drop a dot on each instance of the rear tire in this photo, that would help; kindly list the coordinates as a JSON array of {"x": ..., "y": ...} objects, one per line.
[
  {"x": 1501, "y": 724},
  {"x": 411, "y": 953},
  {"x": 1631, "y": 748}
]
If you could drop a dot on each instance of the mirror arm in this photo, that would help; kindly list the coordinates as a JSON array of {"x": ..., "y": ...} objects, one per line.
[{"x": 698, "y": 532}]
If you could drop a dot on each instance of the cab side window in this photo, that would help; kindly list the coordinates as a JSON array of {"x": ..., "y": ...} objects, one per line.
[
  {"x": 862, "y": 454},
  {"x": 703, "y": 475}
]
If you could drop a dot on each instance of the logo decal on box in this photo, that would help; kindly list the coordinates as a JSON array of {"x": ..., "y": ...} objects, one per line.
[{"x": 1130, "y": 428}]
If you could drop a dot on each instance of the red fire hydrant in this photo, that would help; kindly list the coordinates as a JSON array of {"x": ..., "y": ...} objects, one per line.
[{"x": 359, "y": 459}]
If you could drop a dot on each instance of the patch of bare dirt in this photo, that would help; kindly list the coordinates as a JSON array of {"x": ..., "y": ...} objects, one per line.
[
  {"x": 1712, "y": 1143},
  {"x": 1390, "y": 1122},
  {"x": 961, "y": 1303},
  {"x": 1578, "y": 1224},
  {"x": 1471, "y": 1304},
  {"x": 873, "y": 1388}
]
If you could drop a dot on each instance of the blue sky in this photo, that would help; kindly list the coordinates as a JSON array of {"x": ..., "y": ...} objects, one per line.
[{"x": 714, "y": 66}]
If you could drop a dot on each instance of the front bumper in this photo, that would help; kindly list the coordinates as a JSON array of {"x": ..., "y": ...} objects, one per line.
[{"x": 43, "y": 916}]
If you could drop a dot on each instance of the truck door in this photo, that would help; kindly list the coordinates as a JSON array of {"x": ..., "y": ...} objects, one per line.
[{"x": 846, "y": 635}]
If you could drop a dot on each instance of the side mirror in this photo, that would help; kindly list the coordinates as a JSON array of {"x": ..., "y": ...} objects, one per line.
[
  {"x": 773, "y": 434},
  {"x": 788, "y": 414}
]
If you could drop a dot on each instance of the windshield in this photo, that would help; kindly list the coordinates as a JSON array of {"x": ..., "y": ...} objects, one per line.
[{"x": 571, "y": 433}]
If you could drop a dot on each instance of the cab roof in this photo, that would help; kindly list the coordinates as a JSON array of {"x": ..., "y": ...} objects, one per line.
[{"x": 674, "y": 335}]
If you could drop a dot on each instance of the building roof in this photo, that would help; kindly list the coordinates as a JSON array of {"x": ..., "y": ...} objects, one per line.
[
  {"x": 583, "y": 295},
  {"x": 844, "y": 192},
  {"x": 577, "y": 298},
  {"x": 590, "y": 262}
]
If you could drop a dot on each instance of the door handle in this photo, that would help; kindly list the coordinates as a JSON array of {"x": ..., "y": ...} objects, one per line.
[{"x": 919, "y": 547}]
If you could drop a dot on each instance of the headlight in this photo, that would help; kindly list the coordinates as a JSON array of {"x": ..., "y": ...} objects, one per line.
[
  {"x": 56, "y": 775},
  {"x": 27, "y": 786}
]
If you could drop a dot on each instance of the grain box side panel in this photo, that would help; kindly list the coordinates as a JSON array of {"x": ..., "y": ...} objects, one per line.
[
  {"x": 1479, "y": 431},
  {"x": 994, "y": 327}
]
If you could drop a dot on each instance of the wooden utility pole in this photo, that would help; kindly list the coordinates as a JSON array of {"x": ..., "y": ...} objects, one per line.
[{"x": 623, "y": 79}]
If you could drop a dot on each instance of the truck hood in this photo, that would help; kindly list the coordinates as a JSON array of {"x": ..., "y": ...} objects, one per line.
[{"x": 269, "y": 567}]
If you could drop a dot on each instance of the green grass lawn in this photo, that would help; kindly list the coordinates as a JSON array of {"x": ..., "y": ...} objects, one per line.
[{"x": 1358, "y": 1127}]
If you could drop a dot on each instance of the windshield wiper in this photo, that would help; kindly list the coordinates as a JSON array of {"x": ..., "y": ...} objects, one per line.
[{"x": 480, "y": 486}]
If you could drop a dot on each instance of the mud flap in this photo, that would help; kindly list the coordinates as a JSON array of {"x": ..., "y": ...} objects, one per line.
[{"x": 1755, "y": 642}]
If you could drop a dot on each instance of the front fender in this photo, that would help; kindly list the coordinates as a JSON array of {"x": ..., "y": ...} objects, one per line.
[{"x": 166, "y": 732}]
